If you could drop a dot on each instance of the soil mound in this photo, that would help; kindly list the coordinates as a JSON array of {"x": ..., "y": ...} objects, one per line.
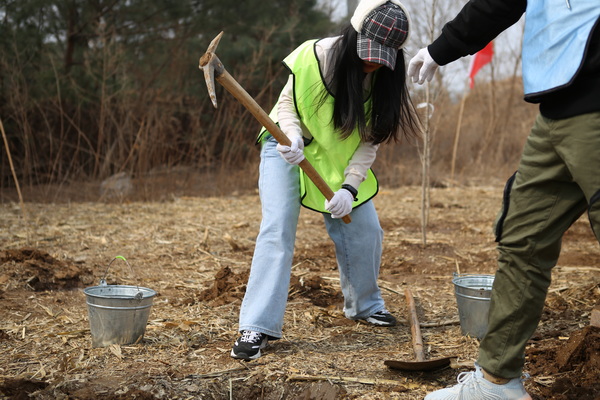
[
  {"x": 40, "y": 271},
  {"x": 226, "y": 287},
  {"x": 574, "y": 367},
  {"x": 316, "y": 289}
]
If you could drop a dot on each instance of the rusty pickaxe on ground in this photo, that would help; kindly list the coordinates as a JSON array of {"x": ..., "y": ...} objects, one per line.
[
  {"x": 213, "y": 68},
  {"x": 420, "y": 364}
]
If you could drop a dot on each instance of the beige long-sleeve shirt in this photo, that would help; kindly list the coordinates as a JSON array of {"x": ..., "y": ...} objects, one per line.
[{"x": 292, "y": 126}]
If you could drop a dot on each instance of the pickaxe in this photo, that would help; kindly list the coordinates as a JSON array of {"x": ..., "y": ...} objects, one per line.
[{"x": 213, "y": 68}]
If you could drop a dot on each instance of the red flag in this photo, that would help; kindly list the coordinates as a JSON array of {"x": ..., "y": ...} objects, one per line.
[{"x": 480, "y": 58}]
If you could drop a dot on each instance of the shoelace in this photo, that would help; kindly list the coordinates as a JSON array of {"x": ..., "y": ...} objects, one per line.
[
  {"x": 251, "y": 337},
  {"x": 467, "y": 380}
]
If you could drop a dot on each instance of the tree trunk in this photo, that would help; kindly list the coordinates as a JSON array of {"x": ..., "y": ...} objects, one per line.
[{"x": 71, "y": 37}]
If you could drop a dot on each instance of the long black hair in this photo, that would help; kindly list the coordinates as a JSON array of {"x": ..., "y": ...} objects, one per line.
[{"x": 391, "y": 110}]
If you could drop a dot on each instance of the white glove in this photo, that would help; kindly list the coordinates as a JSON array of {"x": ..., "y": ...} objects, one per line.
[
  {"x": 340, "y": 204},
  {"x": 422, "y": 67},
  {"x": 293, "y": 154}
]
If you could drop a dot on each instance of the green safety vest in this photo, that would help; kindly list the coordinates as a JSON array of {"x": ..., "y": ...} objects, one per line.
[{"x": 327, "y": 152}]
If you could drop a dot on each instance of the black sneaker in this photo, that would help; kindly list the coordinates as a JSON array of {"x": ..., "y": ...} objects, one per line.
[
  {"x": 381, "y": 318},
  {"x": 248, "y": 346}
]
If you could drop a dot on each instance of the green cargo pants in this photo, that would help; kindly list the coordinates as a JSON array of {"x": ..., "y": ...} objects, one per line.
[{"x": 558, "y": 179}]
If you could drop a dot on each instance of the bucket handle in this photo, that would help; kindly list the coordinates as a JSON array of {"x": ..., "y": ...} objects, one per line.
[{"x": 139, "y": 294}]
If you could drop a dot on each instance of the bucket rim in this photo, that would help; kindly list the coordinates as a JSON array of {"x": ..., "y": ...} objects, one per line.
[
  {"x": 458, "y": 277},
  {"x": 147, "y": 292},
  {"x": 460, "y": 280}
]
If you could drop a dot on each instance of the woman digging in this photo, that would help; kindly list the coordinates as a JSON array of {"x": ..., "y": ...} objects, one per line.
[{"x": 345, "y": 96}]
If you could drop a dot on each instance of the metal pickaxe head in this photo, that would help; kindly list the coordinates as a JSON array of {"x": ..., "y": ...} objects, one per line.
[
  {"x": 211, "y": 65},
  {"x": 214, "y": 69}
]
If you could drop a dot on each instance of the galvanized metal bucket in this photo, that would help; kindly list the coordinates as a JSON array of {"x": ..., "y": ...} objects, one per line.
[
  {"x": 473, "y": 294},
  {"x": 118, "y": 314}
]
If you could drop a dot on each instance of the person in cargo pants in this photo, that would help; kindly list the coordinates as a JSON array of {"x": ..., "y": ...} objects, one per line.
[{"x": 558, "y": 177}]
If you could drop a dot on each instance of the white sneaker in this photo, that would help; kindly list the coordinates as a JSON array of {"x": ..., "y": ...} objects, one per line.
[{"x": 473, "y": 386}]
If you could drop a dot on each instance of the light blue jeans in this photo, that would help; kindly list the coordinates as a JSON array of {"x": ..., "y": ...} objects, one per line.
[{"x": 357, "y": 247}]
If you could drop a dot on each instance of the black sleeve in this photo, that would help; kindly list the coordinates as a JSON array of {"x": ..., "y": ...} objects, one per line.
[{"x": 477, "y": 24}]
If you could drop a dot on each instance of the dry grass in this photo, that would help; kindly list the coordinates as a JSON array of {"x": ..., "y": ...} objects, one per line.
[{"x": 182, "y": 247}]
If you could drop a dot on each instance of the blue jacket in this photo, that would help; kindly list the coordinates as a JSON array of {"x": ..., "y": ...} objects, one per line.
[
  {"x": 554, "y": 43},
  {"x": 561, "y": 48}
]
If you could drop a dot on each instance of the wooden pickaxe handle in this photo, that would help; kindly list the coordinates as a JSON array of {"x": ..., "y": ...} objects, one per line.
[
  {"x": 415, "y": 328},
  {"x": 233, "y": 87}
]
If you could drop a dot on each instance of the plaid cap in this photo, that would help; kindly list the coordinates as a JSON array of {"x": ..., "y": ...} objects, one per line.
[{"x": 383, "y": 32}]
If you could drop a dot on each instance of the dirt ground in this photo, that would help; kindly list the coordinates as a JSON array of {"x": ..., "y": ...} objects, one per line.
[{"x": 195, "y": 253}]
